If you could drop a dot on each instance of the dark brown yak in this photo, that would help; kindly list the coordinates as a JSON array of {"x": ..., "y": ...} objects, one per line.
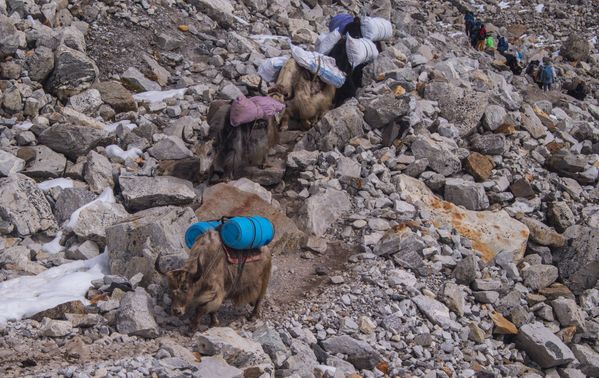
[{"x": 207, "y": 279}]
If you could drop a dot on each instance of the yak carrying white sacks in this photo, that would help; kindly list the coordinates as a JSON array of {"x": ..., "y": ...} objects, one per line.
[
  {"x": 326, "y": 41},
  {"x": 323, "y": 66},
  {"x": 360, "y": 50},
  {"x": 270, "y": 68},
  {"x": 376, "y": 28}
]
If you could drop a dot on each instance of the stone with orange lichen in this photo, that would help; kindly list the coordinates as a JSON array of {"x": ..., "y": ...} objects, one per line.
[{"x": 502, "y": 325}]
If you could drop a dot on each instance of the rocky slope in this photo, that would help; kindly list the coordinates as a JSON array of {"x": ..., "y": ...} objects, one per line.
[{"x": 443, "y": 223}]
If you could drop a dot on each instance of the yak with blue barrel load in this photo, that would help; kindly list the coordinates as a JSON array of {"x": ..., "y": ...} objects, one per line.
[{"x": 228, "y": 260}]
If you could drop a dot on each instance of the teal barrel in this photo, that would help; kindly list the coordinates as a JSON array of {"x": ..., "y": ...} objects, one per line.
[
  {"x": 198, "y": 229},
  {"x": 247, "y": 232}
]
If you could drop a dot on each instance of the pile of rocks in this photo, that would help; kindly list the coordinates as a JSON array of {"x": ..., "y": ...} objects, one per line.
[{"x": 470, "y": 197}]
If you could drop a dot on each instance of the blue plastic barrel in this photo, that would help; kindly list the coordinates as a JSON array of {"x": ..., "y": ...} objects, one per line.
[
  {"x": 198, "y": 229},
  {"x": 247, "y": 232}
]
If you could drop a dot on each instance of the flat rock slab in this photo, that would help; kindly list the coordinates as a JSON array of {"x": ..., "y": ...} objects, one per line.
[
  {"x": 226, "y": 200},
  {"x": 143, "y": 192},
  {"x": 545, "y": 348},
  {"x": 490, "y": 232}
]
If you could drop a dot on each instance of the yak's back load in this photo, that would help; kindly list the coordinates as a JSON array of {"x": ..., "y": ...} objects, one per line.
[
  {"x": 376, "y": 28},
  {"x": 237, "y": 233},
  {"x": 340, "y": 22},
  {"x": 325, "y": 42},
  {"x": 323, "y": 66},
  {"x": 360, "y": 51},
  {"x": 246, "y": 110}
]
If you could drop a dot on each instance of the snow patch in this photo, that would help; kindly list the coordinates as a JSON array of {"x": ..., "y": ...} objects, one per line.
[
  {"x": 126, "y": 123},
  {"x": 106, "y": 197},
  {"x": 503, "y": 5},
  {"x": 61, "y": 182},
  {"x": 24, "y": 126},
  {"x": 159, "y": 96},
  {"x": 115, "y": 152},
  {"x": 53, "y": 247},
  {"x": 26, "y": 296},
  {"x": 539, "y": 8}
]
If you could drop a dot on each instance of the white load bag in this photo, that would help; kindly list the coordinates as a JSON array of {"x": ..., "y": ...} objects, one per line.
[
  {"x": 360, "y": 50},
  {"x": 376, "y": 29},
  {"x": 323, "y": 66},
  {"x": 269, "y": 69},
  {"x": 326, "y": 41}
]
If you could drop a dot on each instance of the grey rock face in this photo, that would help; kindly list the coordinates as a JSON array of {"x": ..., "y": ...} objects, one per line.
[
  {"x": 382, "y": 110},
  {"x": 440, "y": 158},
  {"x": 40, "y": 64},
  {"x": 69, "y": 200},
  {"x": 465, "y": 271},
  {"x": 98, "y": 172},
  {"x": 335, "y": 129},
  {"x": 568, "y": 313},
  {"x": 494, "y": 117},
  {"x": 24, "y": 205},
  {"x": 588, "y": 358},
  {"x": 73, "y": 140},
  {"x": 10, "y": 38},
  {"x": 488, "y": 144},
  {"x": 55, "y": 328},
  {"x": 135, "y": 315},
  {"x": 532, "y": 123},
  {"x": 45, "y": 164},
  {"x": 86, "y": 102},
  {"x": 137, "y": 82},
  {"x": 170, "y": 148},
  {"x": 539, "y": 276},
  {"x": 323, "y": 209},
  {"x": 579, "y": 262},
  {"x": 92, "y": 221},
  {"x": 545, "y": 348},
  {"x": 141, "y": 192},
  {"x": 150, "y": 238},
  {"x": 465, "y": 193},
  {"x": 435, "y": 311},
  {"x": 73, "y": 73},
  {"x": 359, "y": 353},
  {"x": 576, "y": 48},
  {"x": 10, "y": 164}
]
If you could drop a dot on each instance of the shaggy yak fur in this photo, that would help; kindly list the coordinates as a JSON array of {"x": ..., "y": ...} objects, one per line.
[
  {"x": 305, "y": 96},
  {"x": 207, "y": 279},
  {"x": 238, "y": 147}
]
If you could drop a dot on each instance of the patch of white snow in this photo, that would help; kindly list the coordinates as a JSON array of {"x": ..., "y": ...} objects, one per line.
[{"x": 62, "y": 182}]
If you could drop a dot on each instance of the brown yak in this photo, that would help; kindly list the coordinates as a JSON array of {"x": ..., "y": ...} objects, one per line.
[{"x": 207, "y": 279}]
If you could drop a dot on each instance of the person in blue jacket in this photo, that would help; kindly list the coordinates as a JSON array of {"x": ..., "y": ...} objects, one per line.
[
  {"x": 547, "y": 74},
  {"x": 502, "y": 44}
]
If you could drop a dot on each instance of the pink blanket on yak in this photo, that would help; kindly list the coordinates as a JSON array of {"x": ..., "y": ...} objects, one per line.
[{"x": 246, "y": 110}]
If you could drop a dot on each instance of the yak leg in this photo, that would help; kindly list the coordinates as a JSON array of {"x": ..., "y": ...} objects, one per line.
[{"x": 214, "y": 322}]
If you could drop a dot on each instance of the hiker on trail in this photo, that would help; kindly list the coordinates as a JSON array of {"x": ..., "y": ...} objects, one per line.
[
  {"x": 513, "y": 63},
  {"x": 547, "y": 74},
  {"x": 482, "y": 35},
  {"x": 474, "y": 33},
  {"x": 489, "y": 42},
  {"x": 469, "y": 21},
  {"x": 502, "y": 44}
]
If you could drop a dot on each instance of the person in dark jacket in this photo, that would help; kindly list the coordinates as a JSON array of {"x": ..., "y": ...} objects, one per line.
[
  {"x": 502, "y": 44},
  {"x": 468, "y": 21}
]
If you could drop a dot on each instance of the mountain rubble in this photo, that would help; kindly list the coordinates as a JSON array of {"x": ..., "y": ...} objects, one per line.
[{"x": 443, "y": 223}]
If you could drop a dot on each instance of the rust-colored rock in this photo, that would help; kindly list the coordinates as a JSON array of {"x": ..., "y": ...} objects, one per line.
[
  {"x": 479, "y": 166},
  {"x": 506, "y": 128},
  {"x": 502, "y": 325},
  {"x": 555, "y": 291},
  {"x": 58, "y": 312}
]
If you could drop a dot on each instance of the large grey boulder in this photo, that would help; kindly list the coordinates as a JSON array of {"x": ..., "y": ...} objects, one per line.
[
  {"x": 135, "y": 315},
  {"x": 576, "y": 48},
  {"x": 216, "y": 366},
  {"x": 45, "y": 163},
  {"x": 170, "y": 148},
  {"x": 220, "y": 11},
  {"x": 74, "y": 140},
  {"x": 488, "y": 144},
  {"x": 24, "y": 205},
  {"x": 69, "y": 200},
  {"x": 236, "y": 350},
  {"x": 91, "y": 222},
  {"x": 322, "y": 210},
  {"x": 137, "y": 82},
  {"x": 98, "y": 172},
  {"x": 462, "y": 107},
  {"x": 335, "y": 129},
  {"x": 272, "y": 344},
  {"x": 149, "y": 240},
  {"x": 469, "y": 194},
  {"x": 359, "y": 353},
  {"x": 381, "y": 110},
  {"x": 568, "y": 313},
  {"x": 116, "y": 95},
  {"x": 544, "y": 347},
  {"x": 10, "y": 164},
  {"x": 142, "y": 192},
  {"x": 87, "y": 101},
  {"x": 494, "y": 117},
  {"x": 588, "y": 358},
  {"x": 539, "y": 276},
  {"x": 73, "y": 73},
  {"x": 441, "y": 159},
  {"x": 10, "y": 38},
  {"x": 435, "y": 311},
  {"x": 532, "y": 123},
  {"x": 40, "y": 64},
  {"x": 579, "y": 259}
]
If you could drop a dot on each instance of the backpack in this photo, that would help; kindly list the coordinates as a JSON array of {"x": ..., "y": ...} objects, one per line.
[{"x": 547, "y": 74}]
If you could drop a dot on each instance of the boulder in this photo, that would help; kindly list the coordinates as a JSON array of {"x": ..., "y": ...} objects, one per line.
[
  {"x": 542, "y": 234},
  {"x": 220, "y": 11},
  {"x": 87, "y": 101},
  {"x": 135, "y": 316},
  {"x": 92, "y": 220},
  {"x": 137, "y": 82},
  {"x": 462, "y": 107},
  {"x": 494, "y": 117},
  {"x": 73, "y": 140},
  {"x": 404, "y": 246},
  {"x": 335, "y": 129},
  {"x": 143, "y": 192},
  {"x": 149, "y": 240},
  {"x": 69, "y": 200},
  {"x": 531, "y": 122},
  {"x": 576, "y": 48},
  {"x": 381, "y": 110},
  {"x": 322, "y": 210},
  {"x": 568, "y": 313},
  {"x": 466, "y": 193},
  {"x": 236, "y": 350},
  {"x": 490, "y": 232},
  {"x": 24, "y": 205},
  {"x": 488, "y": 144},
  {"x": 465, "y": 270},
  {"x": 40, "y": 64},
  {"x": 55, "y": 328},
  {"x": 579, "y": 259},
  {"x": 539, "y": 276},
  {"x": 217, "y": 367},
  {"x": 17, "y": 258},
  {"x": 522, "y": 188},
  {"x": 10, "y": 164},
  {"x": 541, "y": 345},
  {"x": 58, "y": 312},
  {"x": 73, "y": 73},
  {"x": 560, "y": 216},
  {"x": 302, "y": 159},
  {"x": 479, "y": 166},
  {"x": 98, "y": 172},
  {"x": 435, "y": 311},
  {"x": 10, "y": 37},
  {"x": 226, "y": 200},
  {"x": 440, "y": 158},
  {"x": 42, "y": 162},
  {"x": 117, "y": 96},
  {"x": 170, "y": 148},
  {"x": 359, "y": 353},
  {"x": 454, "y": 298},
  {"x": 566, "y": 163},
  {"x": 588, "y": 358}
]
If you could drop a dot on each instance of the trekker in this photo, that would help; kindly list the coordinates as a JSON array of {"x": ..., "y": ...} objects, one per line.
[
  {"x": 469, "y": 22},
  {"x": 502, "y": 44},
  {"x": 489, "y": 42},
  {"x": 474, "y": 33},
  {"x": 547, "y": 74},
  {"x": 482, "y": 35}
]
